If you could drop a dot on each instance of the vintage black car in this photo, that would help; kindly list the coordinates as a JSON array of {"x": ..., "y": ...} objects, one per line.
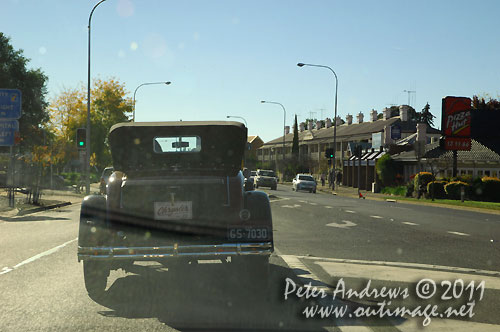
[{"x": 176, "y": 196}]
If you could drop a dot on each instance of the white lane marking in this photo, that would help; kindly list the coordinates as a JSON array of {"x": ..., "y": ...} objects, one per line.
[
  {"x": 458, "y": 233},
  {"x": 291, "y": 206},
  {"x": 346, "y": 224},
  {"x": 278, "y": 199},
  {"x": 376, "y": 217},
  {"x": 34, "y": 258},
  {"x": 328, "y": 207},
  {"x": 406, "y": 265},
  {"x": 303, "y": 201},
  {"x": 349, "y": 211},
  {"x": 409, "y": 223},
  {"x": 313, "y": 203}
]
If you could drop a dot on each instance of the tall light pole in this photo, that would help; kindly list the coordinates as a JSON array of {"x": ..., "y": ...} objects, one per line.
[
  {"x": 135, "y": 91},
  {"x": 238, "y": 117},
  {"x": 300, "y": 64},
  {"x": 284, "y": 123},
  {"x": 87, "y": 157}
]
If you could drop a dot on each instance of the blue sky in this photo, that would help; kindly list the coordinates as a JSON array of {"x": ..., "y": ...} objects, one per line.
[{"x": 223, "y": 57}]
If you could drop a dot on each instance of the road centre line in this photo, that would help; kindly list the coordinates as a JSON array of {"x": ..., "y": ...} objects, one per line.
[
  {"x": 38, "y": 256},
  {"x": 328, "y": 207},
  {"x": 409, "y": 223},
  {"x": 458, "y": 233},
  {"x": 376, "y": 217},
  {"x": 349, "y": 211}
]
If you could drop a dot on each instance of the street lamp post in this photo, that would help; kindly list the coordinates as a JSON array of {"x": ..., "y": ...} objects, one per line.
[
  {"x": 135, "y": 91},
  {"x": 284, "y": 123},
  {"x": 335, "y": 119},
  {"x": 238, "y": 117},
  {"x": 87, "y": 157}
]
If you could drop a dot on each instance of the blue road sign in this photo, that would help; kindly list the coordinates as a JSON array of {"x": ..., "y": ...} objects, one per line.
[
  {"x": 8, "y": 130},
  {"x": 10, "y": 104}
]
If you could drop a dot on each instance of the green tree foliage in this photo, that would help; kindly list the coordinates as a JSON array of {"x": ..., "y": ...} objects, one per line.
[
  {"x": 14, "y": 74},
  {"x": 109, "y": 106},
  {"x": 386, "y": 170},
  {"x": 295, "y": 144},
  {"x": 485, "y": 103},
  {"x": 426, "y": 116}
]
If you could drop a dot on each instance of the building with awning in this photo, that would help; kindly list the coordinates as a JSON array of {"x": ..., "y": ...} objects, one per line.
[{"x": 377, "y": 132}]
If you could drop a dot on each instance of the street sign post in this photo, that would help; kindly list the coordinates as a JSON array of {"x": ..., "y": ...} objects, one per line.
[{"x": 10, "y": 104}]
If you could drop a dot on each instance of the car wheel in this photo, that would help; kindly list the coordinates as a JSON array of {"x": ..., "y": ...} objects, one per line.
[
  {"x": 314, "y": 191},
  {"x": 96, "y": 277},
  {"x": 310, "y": 191},
  {"x": 273, "y": 188}
]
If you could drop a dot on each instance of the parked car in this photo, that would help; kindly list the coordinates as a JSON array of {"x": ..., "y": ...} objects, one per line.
[
  {"x": 250, "y": 180},
  {"x": 304, "y": 182},
  {"x": 176, "y": 196},
  {"x": 106, "y": 173},
  {"x": 265, "y": 178}
]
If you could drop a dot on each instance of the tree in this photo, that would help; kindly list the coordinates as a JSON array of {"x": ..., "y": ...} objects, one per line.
[
  {"x": 109, "y": 106},
  {"x": 295, "y": 144},
  {"x": 32, "y": 83},
  {"x": 481, "y": 104},
  {"x": 426, "y": 116}
]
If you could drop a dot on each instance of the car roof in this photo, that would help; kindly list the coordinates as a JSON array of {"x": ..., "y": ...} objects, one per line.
[{"x": 177, "y": 124}]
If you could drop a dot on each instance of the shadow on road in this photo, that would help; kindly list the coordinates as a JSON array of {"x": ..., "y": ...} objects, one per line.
[
  {"x": 31, "y": 218},
  {"x": 208, "y": 297}
]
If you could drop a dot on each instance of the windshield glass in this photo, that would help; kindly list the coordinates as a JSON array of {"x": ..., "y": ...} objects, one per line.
[{"x": 231, "y": 165}]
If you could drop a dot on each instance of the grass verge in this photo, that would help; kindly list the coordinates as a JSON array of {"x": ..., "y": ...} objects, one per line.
[{"x": 474, "y": 204}]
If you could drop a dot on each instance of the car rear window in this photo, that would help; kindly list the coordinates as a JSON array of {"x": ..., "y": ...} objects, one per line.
[
  {"x": 306, "y": 178},
  {"x": 176, "y": 144},
  {"x": 265, "y": 173}
]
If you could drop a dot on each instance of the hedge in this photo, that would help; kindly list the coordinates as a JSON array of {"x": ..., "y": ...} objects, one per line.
[
  {"x": 438, "y": 187},
  {"x": 491, "y": 189},
  {"x": 453, "y": 189},
  {"x": 422, "y": 179}
]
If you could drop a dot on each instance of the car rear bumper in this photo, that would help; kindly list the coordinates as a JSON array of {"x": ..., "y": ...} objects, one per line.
[{"x": 155, "y": 253}]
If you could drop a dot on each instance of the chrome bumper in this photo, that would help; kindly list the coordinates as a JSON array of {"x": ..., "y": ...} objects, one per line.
[{"x": 152, "y": 253}]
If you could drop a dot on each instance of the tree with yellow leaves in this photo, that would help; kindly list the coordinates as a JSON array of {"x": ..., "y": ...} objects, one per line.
[{"x": 68, "y": 111}]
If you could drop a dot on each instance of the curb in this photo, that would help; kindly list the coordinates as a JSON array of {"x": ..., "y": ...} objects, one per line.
[{"x": 43, "y": 208}]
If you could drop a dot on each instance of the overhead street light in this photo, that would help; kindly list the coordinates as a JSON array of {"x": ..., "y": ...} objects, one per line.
[
  {"x": 300, "y": 64},
  {"x": 135, "y": 91},
  {"x": 238, "y": 117},
  {"x": 87, "y": 157},
  {"x": 284, "y": 122}
]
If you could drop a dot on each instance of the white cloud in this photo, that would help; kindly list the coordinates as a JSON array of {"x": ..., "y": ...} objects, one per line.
[
  {"x": 42, "y": 50},
  {"x": 134, "y": 46}
]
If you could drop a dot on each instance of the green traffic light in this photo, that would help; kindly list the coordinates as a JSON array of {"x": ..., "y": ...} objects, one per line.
[{"x": 81, "y": 143}]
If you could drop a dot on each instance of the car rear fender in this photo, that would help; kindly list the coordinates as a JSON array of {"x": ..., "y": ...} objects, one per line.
[
  {"x": 257, "y": 202},
  {"x": 92, "y": 220}
]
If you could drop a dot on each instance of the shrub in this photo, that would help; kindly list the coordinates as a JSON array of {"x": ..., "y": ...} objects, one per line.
[
  {"x": 386, "y": 170},
  {"x": 410, "y": 188},
  {"x": 398, "y": 191},
  {"x": 422, "y": 179},
  {"x": 491, "y": 189},
  {"x": 436, "y": 188},
  {"x": 453, "y": 189}
]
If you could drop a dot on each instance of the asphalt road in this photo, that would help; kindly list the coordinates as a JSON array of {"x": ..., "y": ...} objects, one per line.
[{"x": 320, "y": 239}]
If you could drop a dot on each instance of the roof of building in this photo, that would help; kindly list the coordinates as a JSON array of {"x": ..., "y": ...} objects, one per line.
[
  {"x": 250, "y": 139},
  {"x": 355, "y": 131},
  {"x": 478, "y": 152}
]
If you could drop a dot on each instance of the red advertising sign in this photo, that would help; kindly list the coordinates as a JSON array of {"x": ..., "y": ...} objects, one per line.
[{"x": 455, "y": 122}]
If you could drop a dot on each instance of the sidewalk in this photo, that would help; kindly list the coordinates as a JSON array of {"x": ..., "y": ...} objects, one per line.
[{"x": 50, "y": 199}]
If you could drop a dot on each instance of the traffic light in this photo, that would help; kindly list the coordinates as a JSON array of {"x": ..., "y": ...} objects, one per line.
[
  {"x": 329, "y": 153},
  {"x": 81, "y": 138}
]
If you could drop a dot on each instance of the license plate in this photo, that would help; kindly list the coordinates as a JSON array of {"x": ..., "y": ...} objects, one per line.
[
  {"x": 248, "y": 233},
  {"x": 173, "y": 211}
]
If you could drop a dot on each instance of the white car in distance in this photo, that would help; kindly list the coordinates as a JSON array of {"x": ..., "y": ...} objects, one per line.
[{"x": 304, "y": 182}]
